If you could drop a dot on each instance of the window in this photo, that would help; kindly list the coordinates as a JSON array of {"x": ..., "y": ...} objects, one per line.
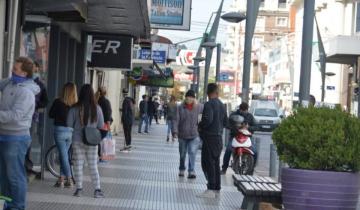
[
  {"x": 262, "y": 3},
  {"x": 282, "y": 4},
  {"x": 260, "y": 24},
  {"x": 281, "y": 21},
  {"x": 358, "y": 17},
  {"x": 265, "y": 112}
]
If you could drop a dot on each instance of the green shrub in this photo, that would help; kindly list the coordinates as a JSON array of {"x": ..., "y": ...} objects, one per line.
[{"x": 319, "y": 139}]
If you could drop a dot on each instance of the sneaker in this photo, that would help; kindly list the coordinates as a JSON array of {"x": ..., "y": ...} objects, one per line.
[
  {"x": 78, "y": 193},
  {"x": 167, "y": 139},
  {"x": 146, "y": 132},
  {"x": 139, "y": 132},
  {"x": 59, "y": 183},
  {"x": 128, "y": 147},
  {"x": 223, "y": 172},
  {"x": 191, "y": 176},
  {"x": 207, "y": 194},
  {"x": 98, "y": 194},
  {"x": 182, "y": 173},
  {"x": 69, "y": 183},
  {"x": 103, "y": 161}
]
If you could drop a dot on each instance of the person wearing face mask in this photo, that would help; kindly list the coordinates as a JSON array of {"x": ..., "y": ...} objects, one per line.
[
  {"x": 37, "y": 125},
  {"x": 185, "y": 127},
  {"x": 17, "y": 106}
]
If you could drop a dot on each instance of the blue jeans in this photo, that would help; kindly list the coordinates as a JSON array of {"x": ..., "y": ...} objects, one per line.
[
  {"x": 229, "y": 149},
  {"x": 189, "y": 146},
  {"x": 13, "y": 181},
  {"x": 63, "y": 139},
  {"x": 144, "y": 118},
  {"x": 169, "y": 127}
]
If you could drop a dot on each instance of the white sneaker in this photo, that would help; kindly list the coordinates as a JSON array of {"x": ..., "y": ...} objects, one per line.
[{"x": 207, "y": 194}]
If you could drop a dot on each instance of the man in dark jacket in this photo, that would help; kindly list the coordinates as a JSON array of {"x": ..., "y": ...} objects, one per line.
[
  {"x": 144, "y": 114},
  {"x": 127, "y": 117},
  {"x": 211, "y": 127},
  {"x": 248, "y": 119},
  {"x": 37, "y": 125}
]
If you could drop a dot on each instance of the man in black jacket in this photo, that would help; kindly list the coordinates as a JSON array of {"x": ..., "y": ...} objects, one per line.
[
  {"x": 144, "y": 114},
  {"x": 211, "y": 128},
  {"x": 250, "y": 120},
  {"x": 127, "y": 118}
]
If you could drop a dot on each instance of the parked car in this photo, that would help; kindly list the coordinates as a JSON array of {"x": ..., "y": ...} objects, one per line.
[{"x": 267, "y": 114}]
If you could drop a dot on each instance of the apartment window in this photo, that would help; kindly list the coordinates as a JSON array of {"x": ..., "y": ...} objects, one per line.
[
  {"x": 260, "y": 24},
  {"x": 262, "y": 3},
  {"x": 281, "y": 3},
  {"x": 358, "y": 17},
  {"x": 281, "y": 21}
]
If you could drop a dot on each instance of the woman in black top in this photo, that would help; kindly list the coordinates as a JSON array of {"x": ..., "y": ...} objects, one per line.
[
  {"x": 105, "y": 106},
  {"x": 63, "y": 134}
]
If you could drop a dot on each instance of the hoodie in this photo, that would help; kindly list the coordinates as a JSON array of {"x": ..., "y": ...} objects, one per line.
[{"x": 17, "y": 107}]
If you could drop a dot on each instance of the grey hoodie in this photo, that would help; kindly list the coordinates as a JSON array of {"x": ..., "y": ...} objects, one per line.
[
  {"x": 17, "y": 106},
  {"x": 186, "y": 121}
]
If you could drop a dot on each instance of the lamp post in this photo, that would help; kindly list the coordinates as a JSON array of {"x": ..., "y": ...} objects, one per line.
[{"x": 252, "y": 9}]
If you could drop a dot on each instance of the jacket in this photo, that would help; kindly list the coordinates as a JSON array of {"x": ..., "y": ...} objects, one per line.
[
  {"x": 214, "y": 119},
  {"x": 41, "y": 98},
  {"x": 73, "y": 121},
  {"x": 17, "y": 106},
  {"x": 248, "y": 118},
  {"x": 143, "y": 107},
  {"x": 105, "y": 106},
  {"x": 127, "y": 116},
  {"x": 186, "y": 121}
]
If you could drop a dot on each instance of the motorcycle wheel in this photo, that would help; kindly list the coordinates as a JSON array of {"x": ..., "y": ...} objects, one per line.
[{"x": 244, "y": 165}]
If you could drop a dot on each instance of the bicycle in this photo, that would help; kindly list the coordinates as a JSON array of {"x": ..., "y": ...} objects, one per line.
[{"x": 53, "y": 163}]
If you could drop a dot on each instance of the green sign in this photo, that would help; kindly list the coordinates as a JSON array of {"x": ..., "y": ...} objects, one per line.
[{"x": 152, "y": 78}]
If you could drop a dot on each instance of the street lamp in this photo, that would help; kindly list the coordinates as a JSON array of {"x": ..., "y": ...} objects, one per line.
[
  {"x": 200, "y": 59},
  {"x": 252, "y": 9}
]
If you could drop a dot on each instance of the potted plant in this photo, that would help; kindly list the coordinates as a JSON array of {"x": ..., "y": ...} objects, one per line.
[{"x": 321, "y": 148}]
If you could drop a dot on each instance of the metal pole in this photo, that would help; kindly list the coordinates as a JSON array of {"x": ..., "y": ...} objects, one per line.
[
  {"x": 207, "y": 67},
  {"x": 14, "y": 8},
  {"x": 252, "y": 9},
  {"x": 2, "y": 31},
  {"x": 306, "y": 52},
  {"x": 218, "y": 60}
]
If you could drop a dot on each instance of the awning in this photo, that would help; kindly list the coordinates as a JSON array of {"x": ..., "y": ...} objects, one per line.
[
  {"x": 343, "y": 50},
  {"x": 126, "y": 17}
]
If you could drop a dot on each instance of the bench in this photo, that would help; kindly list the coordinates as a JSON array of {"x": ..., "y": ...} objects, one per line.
[{"x": 257, "y": 189}]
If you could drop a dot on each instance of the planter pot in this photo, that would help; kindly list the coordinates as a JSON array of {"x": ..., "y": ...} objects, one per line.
[{"x": 319, "y": 190}]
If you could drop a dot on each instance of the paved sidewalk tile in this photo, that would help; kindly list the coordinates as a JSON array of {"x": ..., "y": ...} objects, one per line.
[{"x": 145, "y": 178}]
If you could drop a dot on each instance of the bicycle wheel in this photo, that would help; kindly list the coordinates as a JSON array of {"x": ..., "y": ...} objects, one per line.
[{"x": 53, "y": 161}]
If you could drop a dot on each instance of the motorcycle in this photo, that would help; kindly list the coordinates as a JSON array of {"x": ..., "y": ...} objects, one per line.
[{"x": 243, "y": 156}]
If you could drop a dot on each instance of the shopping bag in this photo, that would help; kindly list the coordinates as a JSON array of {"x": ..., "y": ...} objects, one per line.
[{"x": 108, "y": 148}]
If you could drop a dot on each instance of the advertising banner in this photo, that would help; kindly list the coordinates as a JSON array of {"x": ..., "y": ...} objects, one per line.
[
  {"x": 111, "y": 51},
  {"x": 159, "y": 57},
  {"x": 152, "y": 78},
  {"x": 170, "y": 14}
]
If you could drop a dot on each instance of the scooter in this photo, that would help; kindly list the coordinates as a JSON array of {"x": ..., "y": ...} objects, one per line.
[{"x": 243, "y": 156}]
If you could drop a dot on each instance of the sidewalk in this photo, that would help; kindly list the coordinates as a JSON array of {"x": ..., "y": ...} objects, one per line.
[{"x": 145, "y": 178}]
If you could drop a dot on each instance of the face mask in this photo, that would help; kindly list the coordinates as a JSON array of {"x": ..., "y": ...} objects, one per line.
[
  {"x": 17, "y": 79},
  {"x": 189, "y": 100},
  {"x": 36, "y": 75}
]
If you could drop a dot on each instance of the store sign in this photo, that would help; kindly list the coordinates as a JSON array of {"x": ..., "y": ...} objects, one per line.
[
  {"x": 227, "y": 76},
  {"x": 152, "y": 78},
  {"x": 170, "y": 14},
  {"x": 145, "y": 54},
  {"x": 111, "y": 51},
  {"x": 159, "y": 57}
]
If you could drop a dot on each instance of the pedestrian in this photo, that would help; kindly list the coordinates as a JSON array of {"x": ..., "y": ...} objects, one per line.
[
  {"x": 85, "y": 113},
  {"x": 211, "y": 127},
  {"x": 156, "y": 110},
  {"x": 186, "y": 128},
  {"x": 62, "y": 133},
  {"x": 127, "y": 118},
  {"x": 36, "y": 130},
  {"x": 17, "y": 106},
  {"x": 165, "y": 109},
  {"x": 170, "y": 111},
  {"x": 105, "y": 106},
  {"x": 151, "y": 110},
  {"x": 250, "y": 121},
  {"x": 144, "y": 118}
]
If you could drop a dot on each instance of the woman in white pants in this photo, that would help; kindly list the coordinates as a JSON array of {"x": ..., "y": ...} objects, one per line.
[{"x": 85, "y": 113}]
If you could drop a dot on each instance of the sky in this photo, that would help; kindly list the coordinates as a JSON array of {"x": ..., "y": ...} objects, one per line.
[{"x": 200, "y": 15}]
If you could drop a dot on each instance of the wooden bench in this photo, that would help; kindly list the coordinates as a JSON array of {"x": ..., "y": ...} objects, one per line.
[{"x": 257, "y": 189}]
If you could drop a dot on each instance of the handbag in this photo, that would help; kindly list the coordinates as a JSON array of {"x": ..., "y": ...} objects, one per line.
[{"x": 91, "y": 136}]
